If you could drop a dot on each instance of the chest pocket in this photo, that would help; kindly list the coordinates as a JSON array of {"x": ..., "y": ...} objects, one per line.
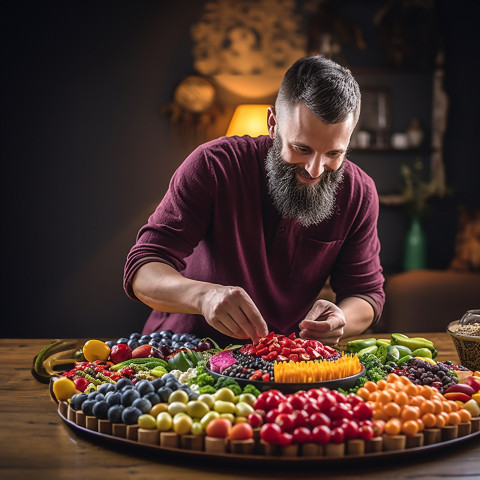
[{"x": 313, "y": 260}]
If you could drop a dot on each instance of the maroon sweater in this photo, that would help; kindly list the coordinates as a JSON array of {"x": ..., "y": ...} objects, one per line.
[{"x": 217, "y": 223}]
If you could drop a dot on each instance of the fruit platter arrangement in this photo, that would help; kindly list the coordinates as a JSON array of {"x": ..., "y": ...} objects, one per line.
[{"x": 283, "y": 398}]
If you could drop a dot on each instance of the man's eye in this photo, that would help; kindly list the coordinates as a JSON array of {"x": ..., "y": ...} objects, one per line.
[{"x": 301, "y": 149}]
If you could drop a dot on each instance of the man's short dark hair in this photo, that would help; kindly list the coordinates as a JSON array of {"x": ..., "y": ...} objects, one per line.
[{"x": 325, "y": 87}]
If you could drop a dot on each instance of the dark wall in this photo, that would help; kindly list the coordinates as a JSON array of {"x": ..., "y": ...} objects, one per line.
[
  {"x": 86, "y": 154},
  {"x": 87, "y": 151}
]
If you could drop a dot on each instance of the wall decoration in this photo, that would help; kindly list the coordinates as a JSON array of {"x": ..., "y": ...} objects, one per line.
[
  {"x": 245, "y": 37},
  {"x": 193, "y": 110}
]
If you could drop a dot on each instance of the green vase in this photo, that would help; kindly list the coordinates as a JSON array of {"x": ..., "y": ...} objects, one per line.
[{"x": 415, "y": 255}]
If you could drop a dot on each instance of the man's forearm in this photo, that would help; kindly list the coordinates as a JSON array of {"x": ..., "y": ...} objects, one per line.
[
  {"x": 162, "y": 288},
  {"x": 358, "y": 313}
]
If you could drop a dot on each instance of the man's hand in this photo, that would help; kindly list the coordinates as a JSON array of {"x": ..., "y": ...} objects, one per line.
[
  {"x": 324, "y": 322},
  {"x": 232, "y": 312}
]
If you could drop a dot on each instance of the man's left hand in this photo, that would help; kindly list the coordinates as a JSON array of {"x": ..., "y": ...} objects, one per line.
[{"x": 324, "y": 322}]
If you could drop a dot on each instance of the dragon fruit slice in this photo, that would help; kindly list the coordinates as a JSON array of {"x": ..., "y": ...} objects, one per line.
[{"x": 221, "y": 360}]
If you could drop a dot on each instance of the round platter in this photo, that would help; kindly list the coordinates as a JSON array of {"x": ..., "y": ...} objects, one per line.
[
  {"x": 344, "y": 383},
  {"x": 278, "y": 459}
]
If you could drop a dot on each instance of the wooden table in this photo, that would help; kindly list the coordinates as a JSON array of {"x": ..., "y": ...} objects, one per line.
[{"x": 36, "y": 444}]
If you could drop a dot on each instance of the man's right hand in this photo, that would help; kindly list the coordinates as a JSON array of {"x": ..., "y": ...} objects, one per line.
[{"x": 231, "y": 311}]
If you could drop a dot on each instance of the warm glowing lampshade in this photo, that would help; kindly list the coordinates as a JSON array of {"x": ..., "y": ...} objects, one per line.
[{"x": 249, "y": 120}]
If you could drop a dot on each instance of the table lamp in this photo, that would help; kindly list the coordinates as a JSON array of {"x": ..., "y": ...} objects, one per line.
[{"x": 249, "y": 120}]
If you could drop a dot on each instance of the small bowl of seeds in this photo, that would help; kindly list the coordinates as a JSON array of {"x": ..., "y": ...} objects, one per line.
[{"x": 465, "y": 334}]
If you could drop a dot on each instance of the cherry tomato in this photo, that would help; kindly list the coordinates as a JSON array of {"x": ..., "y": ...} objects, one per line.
[
  {"x": 311, "y": 408},
  {"x": 319, "y": 418},
  {"x": 301, "y": 418},
  {"x": 219, "y": 427},
  {"x": 260, "y": 403},
  {"x": 351, "y": 429},
  {"x": 354, "y": 399},
  {"x": 337, "y": 435},
  {"x": 366, "y": 432},
  {"x": 269, "y": 432},
  {"x": 285, "y": 407},
  {"x": 81, "y": 383},
  {"x": 315, "y": 393},
  {"x": 271, "y": 415},
  {"x": 326, "y": 402},
  {"x": 284, "y": 439},
  {"x": 286, "y": 421},
  {"x": 362, "y": 411},
  {"x": 321, "y": 434},
  {"x": 302, "y": 435},
  {"x": 339, "y": 396},
  {"x": 378, "y": 427},
  {"x": 255, "y": 419},
  {"x": 241, "y": 431},
  {"x": 340, "y": 410},
  {"x": 297, "y": 402},
  {"x": 272, "y": 402}
]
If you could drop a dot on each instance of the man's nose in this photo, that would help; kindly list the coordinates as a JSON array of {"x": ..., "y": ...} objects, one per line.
[{"x": 316, "y": 166}]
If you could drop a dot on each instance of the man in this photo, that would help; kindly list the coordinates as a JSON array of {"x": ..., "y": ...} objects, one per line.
[{"x": 251, "y": 228}]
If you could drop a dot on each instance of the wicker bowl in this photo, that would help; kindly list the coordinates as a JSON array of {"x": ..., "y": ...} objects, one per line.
[{"x": 467, "y": 346}]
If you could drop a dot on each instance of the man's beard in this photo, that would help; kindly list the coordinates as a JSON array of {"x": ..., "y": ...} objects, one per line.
[{"x": 309, "y": 204}]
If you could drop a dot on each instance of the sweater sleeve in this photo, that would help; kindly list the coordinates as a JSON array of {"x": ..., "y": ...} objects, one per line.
[
  {"x": 357, "y": 271},
  {"x": 179, "y": 222}
]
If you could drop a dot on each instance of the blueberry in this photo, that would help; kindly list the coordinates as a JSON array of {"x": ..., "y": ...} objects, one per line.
[
  {"x": 93, "y": 395},
  {"x": 105, "y": 388},
  {"x": 186, "y": 388},
  {"x": 153, "y": 343},
  {"x": 87, "y": 407},
  {"x": 115, "y": 413},
  {"x": 99, "y": 396},
  {"x": 176, "y": 337},
  {"x": 122, "y": 340},
  {"x": 164, "y": 393},
  {"x": 194, "y": 395},
  {"x": 190, "y": 345},
  {"x": 152, "y": 397},
  {"x": 111, "y": 343},
  {"x": 156, "y": 336},
  {"x": 144, "y": 339},
  {"x": 123, "y": 382},
  {"x": 185, "y": 338},
  {"x": 157, "y": 383},
  {"x": 129, "y": 396},
  {"x": 130, "y": 415},
  {"x": 173, "y": 384},
  {"x": 77, "y": 400},
  {"x": 113, "y": 398},
  {"x": 176, "y": 345},
  {"x": 142, "y": 404},
  {"x": 144, "y": 387},
  {"x": 166, "y": 333},
  {"x": 135, "y": 336},
  {"x": 100, "y": 410},
  {"x": 133, "y": 343}
]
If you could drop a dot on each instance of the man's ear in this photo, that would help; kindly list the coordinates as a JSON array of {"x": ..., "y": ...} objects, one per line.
[{"x": 271, "y": 122}]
